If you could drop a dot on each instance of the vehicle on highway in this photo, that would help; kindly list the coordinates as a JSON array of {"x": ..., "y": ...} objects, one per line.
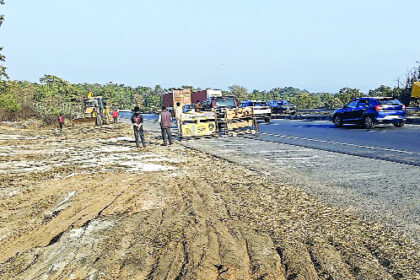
[
  {"x": 219, "y": 104},
  {"x": 369, "y": 111},
  {"x": 259, "y": 108},
  {"x": 282, "y": 107}
]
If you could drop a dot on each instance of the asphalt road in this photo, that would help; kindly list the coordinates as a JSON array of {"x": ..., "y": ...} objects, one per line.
[{"x": 384, "y": 142}]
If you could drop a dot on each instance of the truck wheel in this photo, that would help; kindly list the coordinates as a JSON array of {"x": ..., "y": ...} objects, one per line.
[{"x": 368, "y": 122}]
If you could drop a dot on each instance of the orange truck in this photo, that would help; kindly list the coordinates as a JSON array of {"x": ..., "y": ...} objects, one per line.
[{"x": 170, "y": 99}]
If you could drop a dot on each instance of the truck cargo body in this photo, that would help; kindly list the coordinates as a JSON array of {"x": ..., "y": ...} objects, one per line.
[
  {"x": 183, "y": 96},
  {"x": 201, "y": 95}
]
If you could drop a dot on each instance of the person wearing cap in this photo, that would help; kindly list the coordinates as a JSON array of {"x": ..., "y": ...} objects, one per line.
[{"x": 137, "y": 121}]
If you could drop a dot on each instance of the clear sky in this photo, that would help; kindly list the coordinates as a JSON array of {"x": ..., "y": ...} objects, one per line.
[{"x": 321, "y": 45}]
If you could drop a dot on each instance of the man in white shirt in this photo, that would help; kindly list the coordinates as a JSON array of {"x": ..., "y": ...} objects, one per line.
[{"x": 178, "y": 112}]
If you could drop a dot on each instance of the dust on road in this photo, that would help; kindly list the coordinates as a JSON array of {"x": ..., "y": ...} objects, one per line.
[{"x": 86, "y": 204}]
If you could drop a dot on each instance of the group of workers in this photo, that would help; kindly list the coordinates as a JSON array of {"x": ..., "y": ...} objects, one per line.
[{"x": 165, "y": 119}]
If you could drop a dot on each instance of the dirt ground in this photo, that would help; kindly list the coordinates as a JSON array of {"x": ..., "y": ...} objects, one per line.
[{"x": 86, "y": 204}]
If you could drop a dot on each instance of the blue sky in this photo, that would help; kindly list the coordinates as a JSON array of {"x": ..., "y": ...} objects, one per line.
[{"x": 319, "y": 45}]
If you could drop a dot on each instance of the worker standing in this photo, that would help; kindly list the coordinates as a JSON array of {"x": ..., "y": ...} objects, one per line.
[
  {"x": 61, "y": 121},
  {"x": 165, "y": 125},
  {"x": 178, "y": 113},
  {"x": 137, "y": 121},
  {"x": 115, "y": 115}
]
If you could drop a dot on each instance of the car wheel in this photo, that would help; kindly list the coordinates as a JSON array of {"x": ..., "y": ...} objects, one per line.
[
  {"x": 267, "y": 120},
  {"x": 368, "y": 122},
  {"x": 400, "y": 124},
  {"x": 338, "y": 122}
]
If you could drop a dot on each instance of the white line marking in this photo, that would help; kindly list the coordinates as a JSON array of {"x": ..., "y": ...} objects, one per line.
[{"x": 334, "y": 142}]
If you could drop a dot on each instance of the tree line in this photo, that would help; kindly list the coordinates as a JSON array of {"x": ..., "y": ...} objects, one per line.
[{"x": 52, "y": 95}]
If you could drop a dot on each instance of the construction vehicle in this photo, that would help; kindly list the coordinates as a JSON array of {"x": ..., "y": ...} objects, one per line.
[{"x": 95, "y": 111}]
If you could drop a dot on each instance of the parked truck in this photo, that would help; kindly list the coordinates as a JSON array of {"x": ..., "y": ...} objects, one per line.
[
  {"x": 170, "y": 99},
  {"x": 201, "y": 95}
]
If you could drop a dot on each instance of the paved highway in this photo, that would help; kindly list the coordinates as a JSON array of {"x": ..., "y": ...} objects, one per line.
[{"x": 383, "y": 142}]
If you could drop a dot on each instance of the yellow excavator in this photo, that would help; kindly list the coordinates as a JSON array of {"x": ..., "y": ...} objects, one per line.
[{"x": 95, "y": 111}]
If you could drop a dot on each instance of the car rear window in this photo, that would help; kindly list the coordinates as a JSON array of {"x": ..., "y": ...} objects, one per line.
[
  {"x": 388, "y": 101},
  {"x": 225, "y": 102}
]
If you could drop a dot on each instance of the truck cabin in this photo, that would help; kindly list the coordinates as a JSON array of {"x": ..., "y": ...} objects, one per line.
[{"x": 220, "y": 102}]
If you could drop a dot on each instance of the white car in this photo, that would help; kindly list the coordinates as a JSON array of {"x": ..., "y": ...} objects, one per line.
[{"x": 259, "y": 108}]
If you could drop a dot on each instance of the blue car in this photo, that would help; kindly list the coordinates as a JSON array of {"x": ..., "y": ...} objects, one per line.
[
  {"x": 368, "y": 111},
  {"x": 282, "y": 107}
]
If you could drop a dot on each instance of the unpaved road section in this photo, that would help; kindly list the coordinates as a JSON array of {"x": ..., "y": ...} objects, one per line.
[{"x": 86, "y": 204}]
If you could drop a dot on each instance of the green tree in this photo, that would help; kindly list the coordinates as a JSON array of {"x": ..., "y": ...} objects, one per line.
[
  {"x": 152, "y": 98},
  {"x": 347, "y": 94},
  {"x": 329, "y": 101},
  {"x": 3, "y": 74},
  {"x": 412, "y": 76},
  {"x": 257, "y": 95},
  {"x": 382, "y": 91},
  {"x": 191, "y": 88},
  {"x": 239, "y": 92},
  {"x": 57, "y": 88},
  {"x": 138, "y": 100},
  {"x": 305, "y": 100}
]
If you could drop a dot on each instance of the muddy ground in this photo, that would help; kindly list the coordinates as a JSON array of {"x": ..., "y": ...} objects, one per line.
[{"x": 85, "y": 204}]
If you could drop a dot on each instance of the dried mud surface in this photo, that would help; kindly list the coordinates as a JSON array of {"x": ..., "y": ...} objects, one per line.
[{"x": 86, "y": 204}]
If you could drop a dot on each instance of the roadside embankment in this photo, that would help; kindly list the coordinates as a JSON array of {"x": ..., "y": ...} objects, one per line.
[{"x": 86, "y": 204}]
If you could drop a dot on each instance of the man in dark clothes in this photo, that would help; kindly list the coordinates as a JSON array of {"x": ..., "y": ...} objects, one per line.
[
  {"x": 137, "y": 121},
  {"x": 165, "y": 125}
]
